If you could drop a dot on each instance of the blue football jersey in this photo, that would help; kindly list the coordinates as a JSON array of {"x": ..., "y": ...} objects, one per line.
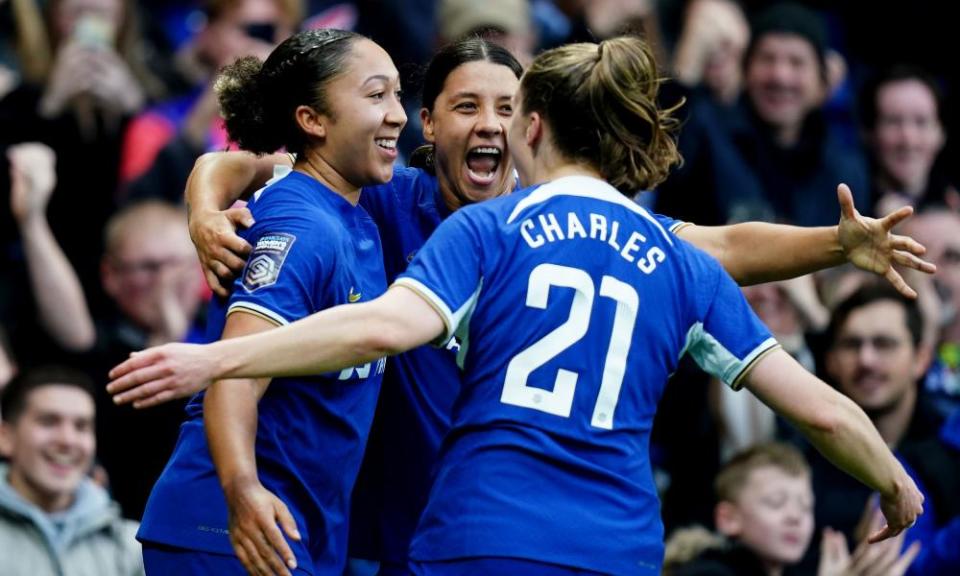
[
  {"x": 311, "y": 250},
  {"x": 572, "y": 305},
  {"x": 419, "y": 389}
]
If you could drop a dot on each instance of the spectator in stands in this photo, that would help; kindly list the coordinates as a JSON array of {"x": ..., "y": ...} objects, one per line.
[
  {"x": 876, "y": 358},
  {"x": 151, "y": 274},
  {"x": 764, "y": 512},
  {"x": 773, "y": 156},
  {"x": 940, "y": 229},
  {"x": 53, "y": 519},
  {"x": 161, "y": 144},
  {"x": 97, "y": 82},
  {"x": 709, "y": 53},
  {"x": 903, "y": 121}
]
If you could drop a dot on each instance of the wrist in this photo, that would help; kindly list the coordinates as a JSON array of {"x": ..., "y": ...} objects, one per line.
[
  {"x": 234, "y": 481},
  {"x": 33, "y": 223}
]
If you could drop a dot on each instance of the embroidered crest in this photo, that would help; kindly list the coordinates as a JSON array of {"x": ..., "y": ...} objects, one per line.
[{"x": 266, "y": 260}]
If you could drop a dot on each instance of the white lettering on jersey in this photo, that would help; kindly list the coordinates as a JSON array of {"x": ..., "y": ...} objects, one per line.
[
  {"x": 547, "y": 228},
  {"x": 363, "y": 372},
  {"x": 525, "y": 228}
]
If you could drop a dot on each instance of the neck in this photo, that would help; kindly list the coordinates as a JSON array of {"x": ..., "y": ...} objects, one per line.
[
  {"x": 314, "y": 165},
  {"x": 912, "y": 189},
  {"x": 892, "y": 424},
  {"x": 786, "y": 136},
  {"x": 45, "y": 502},
  {"x": 551, "y": 166}
]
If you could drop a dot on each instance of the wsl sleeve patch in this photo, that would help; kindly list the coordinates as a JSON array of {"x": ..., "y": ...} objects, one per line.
[{"x": 266, "y": 260}]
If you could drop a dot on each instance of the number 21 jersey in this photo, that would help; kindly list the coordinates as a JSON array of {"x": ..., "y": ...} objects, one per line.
[{"x": 573, "y": 305}]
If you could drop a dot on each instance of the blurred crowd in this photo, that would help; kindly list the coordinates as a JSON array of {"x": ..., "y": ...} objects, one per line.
[{"x": 105, "y": 105}]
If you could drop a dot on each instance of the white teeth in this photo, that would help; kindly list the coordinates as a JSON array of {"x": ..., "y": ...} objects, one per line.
[
  {"x": 486, "y": 150},
  {"x": 483, "y": 175},
  {"x": 385, "y": 143},
  {"x": 62, "y": 459}
]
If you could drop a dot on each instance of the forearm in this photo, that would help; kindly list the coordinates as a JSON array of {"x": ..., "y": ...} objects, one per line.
[
  {"x": 853, "y": 444},
  {"x": 219, "y": 179},
  {"x": 333, "y": 339},
  {"x": 757, "y": 252},
  {"x": 832, "y": 422},
  {"x": 330, "y": 340},
  {"x": 230, "y": 421},
  {"x": 59, "y": 295}
]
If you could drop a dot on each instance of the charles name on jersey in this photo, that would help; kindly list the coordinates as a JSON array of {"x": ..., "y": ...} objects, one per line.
[{"x": 547, "y": 228}]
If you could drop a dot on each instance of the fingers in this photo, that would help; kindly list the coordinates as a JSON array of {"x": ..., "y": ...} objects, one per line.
[
  {"x": 232, "y": 264},
  {"x": 896, "y": 217},
  {"x": 240, "y": 216},
  {"x": 275, "y": 547},
  {"x": 155, "y": 400},
  {"x": 908, "y": 260},
  {"x": 285, "y": 519},
  {"x": 845, "y": 197},
  {"x": 130, "y": 367},
  {"x": 251, "y": 557},
  {"x": 883, "y": 534},
  {"x": 908, "y": 244},
  {"x": 214, "y": 283},
  {"x": 899, "y": 283},
  {"x": 899, "y": 568},
  {"x": 268, "y": 548},
  {"x": 144, "y": 391},
  {"x": 235, "y": 244}
]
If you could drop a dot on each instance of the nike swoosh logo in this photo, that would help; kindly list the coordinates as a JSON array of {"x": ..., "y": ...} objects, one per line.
[{"x": 353, "y": 296}]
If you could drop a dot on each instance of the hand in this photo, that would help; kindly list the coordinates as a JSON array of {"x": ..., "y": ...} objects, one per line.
[
  {"x": 900, "y": 509},
  {"x": 161, "y": 374},
  {"x": 255, "y": 513},
  {"x": 167, "y": 297},
  {"x": 32, "y": 179},
  {"x": 869, "y": 244},
  {"x": 72, "y": 76},
  {"x": 834, "y": 554},
  {"x": 222, "y": 253},
  {"x": 881, "y": 559},
  {"x": 114, "y": 85}
]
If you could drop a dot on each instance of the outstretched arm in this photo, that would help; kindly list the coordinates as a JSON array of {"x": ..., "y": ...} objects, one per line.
[
  {"x": 329, "y": 340},
  {"x": 755, "y": 252},
  {"x": 61, "y": 303},
  {"x": 217, "y": 181},
  {"x": 841, "y": 432}
]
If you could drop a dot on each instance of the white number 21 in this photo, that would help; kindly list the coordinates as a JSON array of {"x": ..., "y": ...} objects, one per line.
[{"x": 559, "y": 401}]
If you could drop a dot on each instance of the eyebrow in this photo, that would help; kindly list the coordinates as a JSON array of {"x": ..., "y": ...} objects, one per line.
[
  {"x": 465, "y": 94},
  {"x": 381, "y": 77}
]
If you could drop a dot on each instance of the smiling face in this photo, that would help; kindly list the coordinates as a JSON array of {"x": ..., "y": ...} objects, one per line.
[
  {"x": 783, "y": 80},
  {"x": 873, "y": 359},
  {"x": 364, "y": 117},
  {"x": 468, "y": 127},
  {"x": 908, "y": 134},
  {"x": 50, "y": 445},
  {"x": 772, "y": 515}
]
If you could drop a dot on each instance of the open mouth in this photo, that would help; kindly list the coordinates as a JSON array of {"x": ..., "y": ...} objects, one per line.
[
  {"x": 62, "y": 463},
  {"x": 483, "y": 163},
  {"x": 388, "y": 145}
]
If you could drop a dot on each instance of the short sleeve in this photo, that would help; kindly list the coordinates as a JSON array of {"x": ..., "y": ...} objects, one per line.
[
  {"x": 447, "y": 271},
  {"x": 671, "y": 224},
  {"x": 729, "y": 338},
  {"x": 285, "y": 271}
]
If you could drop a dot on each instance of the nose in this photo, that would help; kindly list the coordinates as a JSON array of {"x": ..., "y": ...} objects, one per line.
[
  {"x": 488, "y": 122},
  {"x": 867, "y": 354},
  {"x": 396, "y": 115}
]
